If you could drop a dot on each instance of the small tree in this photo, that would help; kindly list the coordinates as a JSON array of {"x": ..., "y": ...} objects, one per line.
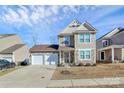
[{"x": 34, "y": 38}]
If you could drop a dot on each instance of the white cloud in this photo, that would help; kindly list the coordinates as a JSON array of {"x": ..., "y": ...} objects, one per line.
[
  {"x": 29, "y": 15},
  {"x": 111, "y": 21},
  {"x": 103, "y": 11},
  {"x": 33, "y": 14}
]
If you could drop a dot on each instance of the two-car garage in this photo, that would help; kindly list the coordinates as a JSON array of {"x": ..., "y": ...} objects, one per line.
[
  {"x": 44, "y": 58},
  {"x": 44, "y": 55}
]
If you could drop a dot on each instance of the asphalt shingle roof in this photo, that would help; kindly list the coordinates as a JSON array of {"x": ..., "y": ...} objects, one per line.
[
  {"x": 5, "y": 35},
  {"x": 12, "y": 49},
  {"x": 43, "y": 48}
]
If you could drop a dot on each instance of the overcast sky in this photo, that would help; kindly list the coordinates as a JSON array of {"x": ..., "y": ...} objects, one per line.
[{"x": 46, "y": 22}]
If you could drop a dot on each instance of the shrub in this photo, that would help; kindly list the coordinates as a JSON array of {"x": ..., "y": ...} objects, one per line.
[
  {"x": 80, "y": 64},
  {"x": 88, "y": 64},
  {"x": 122, "y": 61},
  {"x": 61, "y": 64},
  {"x": 65, "y": 72}
]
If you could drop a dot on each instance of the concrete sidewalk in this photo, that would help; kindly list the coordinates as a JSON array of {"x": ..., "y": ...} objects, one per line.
[{"x": 85, "y": 82}]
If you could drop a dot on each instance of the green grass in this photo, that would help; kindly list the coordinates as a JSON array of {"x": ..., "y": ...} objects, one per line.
[{"x": 9, "y": 70}]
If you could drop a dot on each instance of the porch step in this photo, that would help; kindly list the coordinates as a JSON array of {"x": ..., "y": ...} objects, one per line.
[{"x": 67, "y": 65}]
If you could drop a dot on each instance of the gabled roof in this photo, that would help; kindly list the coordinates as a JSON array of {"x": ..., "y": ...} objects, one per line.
[
  {"x": 5, "y": 35},
  {"x": 74, "y": 23},
  {"x": 86, "y": 26},
  {"x": 112, "y": 33},
  {"x": 11, "y": 49},
  {"x": 71, "y": 27},
  {"x": 75, "y": 27},
  {"x": 43, "y": 48}
]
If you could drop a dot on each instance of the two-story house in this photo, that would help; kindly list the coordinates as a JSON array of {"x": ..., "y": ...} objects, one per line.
[
  {"x": 110, "y": 47},
  {"x": 77, "y": 44},
  {"x": 12, "y": 48}
]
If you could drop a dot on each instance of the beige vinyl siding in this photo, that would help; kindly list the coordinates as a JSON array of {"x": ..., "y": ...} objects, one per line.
[
  {"x": 118, "y": 53},
  {"x": 79, "y": 45},
  {"x": 91, "y": 60},
  {"x": 108, "y": 54},
  {"x": 91, "y": 45},
  {"x": 21, "y": 54},
  {"x": 97, "y": 55},
  {"x": 9, "y": 41}
]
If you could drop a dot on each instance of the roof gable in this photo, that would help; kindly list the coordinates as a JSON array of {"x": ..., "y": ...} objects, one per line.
[
  {"x": 112, "y": 33},
  {"x": 74, "y": 23},
  {"x": 71, "y": 27},
  {"x": 86, "y": 26}
]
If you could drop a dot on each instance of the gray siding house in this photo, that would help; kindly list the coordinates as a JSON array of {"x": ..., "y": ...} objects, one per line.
[{"x": 110, "y": 47}]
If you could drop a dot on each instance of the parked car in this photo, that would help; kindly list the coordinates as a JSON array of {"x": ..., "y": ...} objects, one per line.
[
  {"x": 25, "y": 62},
  {"x": 4, "y": 64}
]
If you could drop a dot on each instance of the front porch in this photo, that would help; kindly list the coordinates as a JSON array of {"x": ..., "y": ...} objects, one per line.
[
  {"x": 113, "y": 53},
  {"x": 66, "y": 56}
]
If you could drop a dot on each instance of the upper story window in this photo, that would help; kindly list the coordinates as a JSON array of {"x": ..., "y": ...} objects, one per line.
[
  {"x": 105, "y": 43},
  {"x": 84, "y": 38},
  {"x": 67, "y": 40}
]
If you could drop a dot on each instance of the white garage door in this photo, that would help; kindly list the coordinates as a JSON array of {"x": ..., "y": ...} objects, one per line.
[
  {"x": 51, "y": 59},
  {"x": 37, "y": 59},
  {"x": 45, "y": 59}
]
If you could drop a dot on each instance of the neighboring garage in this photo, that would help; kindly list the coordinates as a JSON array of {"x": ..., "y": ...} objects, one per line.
[
  {"x": 44, "y": 55},
  {"x": 16, "y": 53}
]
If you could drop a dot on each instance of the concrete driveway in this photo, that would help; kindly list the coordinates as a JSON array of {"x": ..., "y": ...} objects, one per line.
[{"x": 28, "y": 77}]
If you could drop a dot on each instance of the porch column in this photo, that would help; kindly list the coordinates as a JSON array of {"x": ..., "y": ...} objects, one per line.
[
  {"x": 69, "y": 56},
  {"x": 59, "y": 56},
  {"x": 122, "y": 54},
  {"x": 63, "y": 58},
  {"x": 113, "y": 55}
]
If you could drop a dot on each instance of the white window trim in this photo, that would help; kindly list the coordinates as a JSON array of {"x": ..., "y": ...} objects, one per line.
[
  {"x": 122, "y": 51},
  {"x": 104, "y": 56},
  {"x": 84, "y": 50},
  {"x": 83, "y": 42},
  {"x": 105, "y": 41},
  {"x": 69, "y": 40}
]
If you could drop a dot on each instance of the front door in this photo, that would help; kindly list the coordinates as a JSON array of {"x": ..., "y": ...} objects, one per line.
[
  {"x": 102, "y": 56},
  {"x": 66, "y": 57}
]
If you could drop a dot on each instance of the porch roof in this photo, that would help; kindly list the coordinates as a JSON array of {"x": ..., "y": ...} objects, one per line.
[
  {"x": 112, "y": 46},
  {"x": 66, "y": 48}
]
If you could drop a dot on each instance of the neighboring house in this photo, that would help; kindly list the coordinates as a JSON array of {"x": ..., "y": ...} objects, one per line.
[
  {"x": 77, "y": 44},
  {"x": 110, "y": 47},
  {"x": 12, "y": 48}
]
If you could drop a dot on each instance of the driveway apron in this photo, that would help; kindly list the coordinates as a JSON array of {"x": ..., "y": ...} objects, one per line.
[{"x": 28, "y": 77}]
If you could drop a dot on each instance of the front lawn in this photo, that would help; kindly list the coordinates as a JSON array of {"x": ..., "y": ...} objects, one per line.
[
  {"x": 8, "y": 70},
  {"x": 90, "y": 72}
]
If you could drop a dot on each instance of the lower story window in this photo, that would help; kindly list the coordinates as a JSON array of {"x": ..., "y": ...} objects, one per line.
[{"x": 85, "y": 54}]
